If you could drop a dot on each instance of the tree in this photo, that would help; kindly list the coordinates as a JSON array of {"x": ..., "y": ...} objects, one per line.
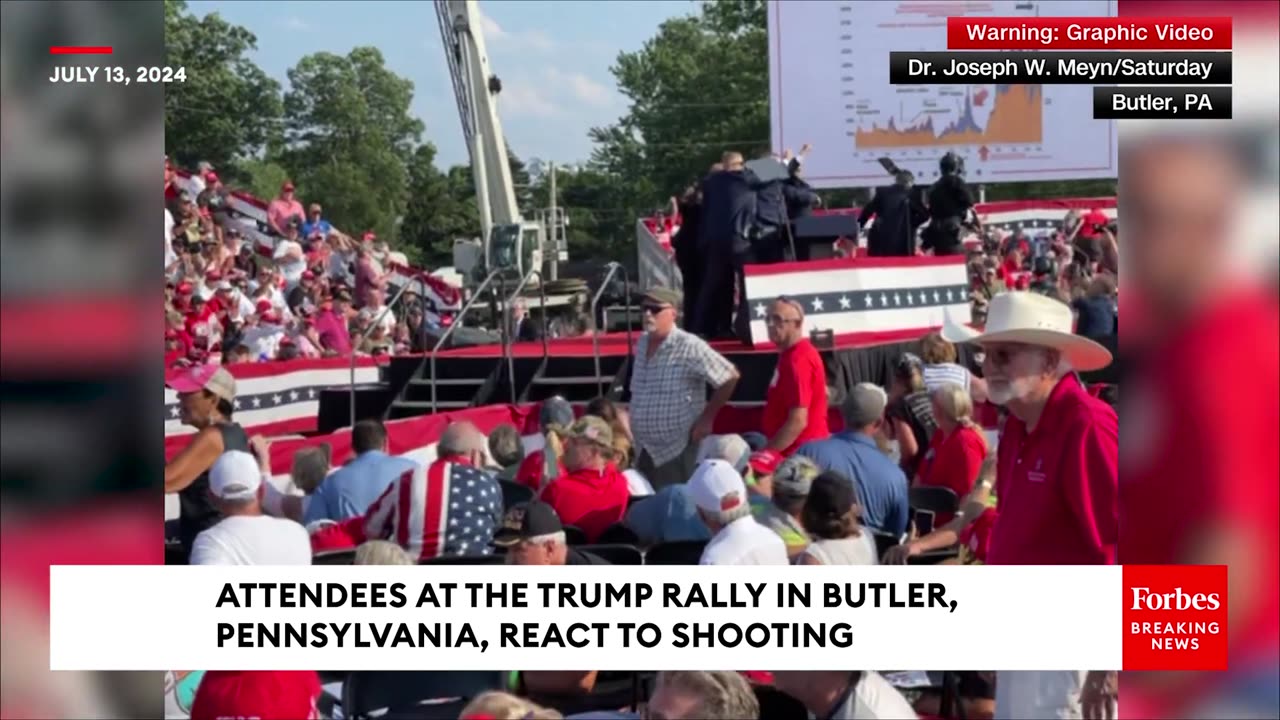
[
  {"x": 441, "y": 208},
  {"x": 349, "y": 138},
  {"x": 228, "y": 109},
  {"x": 698, "y": 88}
]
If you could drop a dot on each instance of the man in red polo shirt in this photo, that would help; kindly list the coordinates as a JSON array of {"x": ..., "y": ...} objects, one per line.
[
  {"x": 795, "y": 409},
  {"x": 1056, "y": 476},
  {"x": 592, "y": 494}
]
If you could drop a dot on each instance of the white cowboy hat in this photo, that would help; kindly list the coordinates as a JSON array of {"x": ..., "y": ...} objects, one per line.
[{"x": 1032, "y": 319}]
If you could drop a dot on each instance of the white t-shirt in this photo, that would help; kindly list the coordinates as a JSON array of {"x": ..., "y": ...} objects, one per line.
[
  {"x": 875, "y": 699},
  {"x": 252, "y": 540},
  {"x": 170, "y": 257},
  {"x": 745, "y": 542},
  {"x": 263, "y": 340},
  {"x": 941, "y": 373}
]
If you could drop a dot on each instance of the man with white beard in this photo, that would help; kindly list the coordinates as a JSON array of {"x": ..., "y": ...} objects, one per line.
[{"x": 1056, "y": 475}]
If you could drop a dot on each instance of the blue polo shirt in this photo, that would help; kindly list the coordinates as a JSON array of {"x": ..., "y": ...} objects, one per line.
[
  {"x": 881, "y": 484},
  {"x": 350, "y": 491}
]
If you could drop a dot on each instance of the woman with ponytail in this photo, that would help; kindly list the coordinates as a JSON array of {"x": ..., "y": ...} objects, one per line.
[{"x": 957, "y": 448}]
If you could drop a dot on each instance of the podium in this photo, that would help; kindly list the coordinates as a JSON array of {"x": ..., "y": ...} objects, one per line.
[{"x": 815, "y": 235}]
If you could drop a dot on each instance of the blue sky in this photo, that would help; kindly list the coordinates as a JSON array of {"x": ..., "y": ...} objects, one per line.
[{"x": 553, "y": 59}]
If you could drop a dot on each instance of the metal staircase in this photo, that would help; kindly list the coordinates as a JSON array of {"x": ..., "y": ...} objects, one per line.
[{"x": 580, "y": 379}]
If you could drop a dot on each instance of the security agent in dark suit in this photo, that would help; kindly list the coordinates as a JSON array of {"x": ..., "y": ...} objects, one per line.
[
  {"x": 899, "y": 212},
  {"x": 523, "y": 328},
  {"x": 724, "y": 244},
  {"x": 685, "y": 243},
  {"x": 949, "y": 206}
]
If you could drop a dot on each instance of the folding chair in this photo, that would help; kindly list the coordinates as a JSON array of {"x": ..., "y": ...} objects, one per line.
[
  {"x": 615, "y": 554},
  {"x": 687, "y": 552},
  {"x": 345, "y": 556}
]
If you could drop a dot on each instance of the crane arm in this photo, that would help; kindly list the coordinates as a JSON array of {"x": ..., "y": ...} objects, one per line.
[{"x": 476, "y": 90}]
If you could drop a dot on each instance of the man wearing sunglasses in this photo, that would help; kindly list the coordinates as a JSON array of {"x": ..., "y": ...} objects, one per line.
[
  {"x": 670, "y": 412},
  {"x": 1056, "y": 476}
]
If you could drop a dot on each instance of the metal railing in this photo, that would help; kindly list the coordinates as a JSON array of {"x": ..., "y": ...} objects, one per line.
[
  {"x": 614, "y": 268},
  {"x": 507, "y": 341},
  {"x": 365, "y": 336},
  {"x": 457, "y": 323}
]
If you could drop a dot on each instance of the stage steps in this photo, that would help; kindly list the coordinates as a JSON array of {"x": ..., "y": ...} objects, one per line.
[
  {"x": 463, "y": 382},
  {"x": 575, "y": 379}
]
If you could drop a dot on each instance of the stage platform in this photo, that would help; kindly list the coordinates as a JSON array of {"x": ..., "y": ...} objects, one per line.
[{"x": 477, "y": 376}]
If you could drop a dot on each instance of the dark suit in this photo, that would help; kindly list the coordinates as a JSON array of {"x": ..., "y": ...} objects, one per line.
[
  {"x": 898, "y": 215},
  {"x": 724, "y": 231},
  {"x": 526, "y": 330}
]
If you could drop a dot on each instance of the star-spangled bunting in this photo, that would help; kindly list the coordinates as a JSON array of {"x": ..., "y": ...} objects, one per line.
[
  {"x": 870, "y": 300},
  {"x": 266, "y": 400}
]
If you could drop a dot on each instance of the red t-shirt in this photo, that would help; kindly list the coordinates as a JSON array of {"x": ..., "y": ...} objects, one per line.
[
  {"x": 259, "y": 694},
  {"x": 953, "y": 461},
  {"x": 1058, "y": 484},
  {"x": 589, "y": 499},
  {"x": 1200, "y": 457},
  {"x": 799, "y": 381}
]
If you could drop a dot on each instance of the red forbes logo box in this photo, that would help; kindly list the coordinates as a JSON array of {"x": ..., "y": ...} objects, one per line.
[{"x": 1175, "y": 617}]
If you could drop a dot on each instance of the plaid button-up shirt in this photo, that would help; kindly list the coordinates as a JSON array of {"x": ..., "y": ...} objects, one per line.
[{"x": 669, "y": 391}]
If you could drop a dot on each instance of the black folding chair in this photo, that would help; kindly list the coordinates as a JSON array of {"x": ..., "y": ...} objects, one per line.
[
  {"x": 884, "y": 541},
  {"x": 421, "y": 695},
  {"x": 934, "y": 499},
  {"x": 929, "y": 501},
  {"x": 574, "y": 535},
  {"x": 618, "y": 534},
  {"x": 464, "y": 560},
  {"x": 345, "y": 556},
  {"x": 513, "y": 493},
  {"x": 615, "y": 554},
  {"x": 687, "y": 552}
]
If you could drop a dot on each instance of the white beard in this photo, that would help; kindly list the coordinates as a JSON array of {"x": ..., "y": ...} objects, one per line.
[{"x": 1004, "y": 393}]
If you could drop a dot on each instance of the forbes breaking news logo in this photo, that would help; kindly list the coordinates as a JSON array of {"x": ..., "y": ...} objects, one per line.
[{"x": 1175, "y": 617}]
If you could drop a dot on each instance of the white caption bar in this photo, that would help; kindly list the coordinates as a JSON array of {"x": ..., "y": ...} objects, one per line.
[{"x": 1004, "y": 618}]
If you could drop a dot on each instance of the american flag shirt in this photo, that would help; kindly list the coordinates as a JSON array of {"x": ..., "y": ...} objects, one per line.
[{"x": 449, "y": 508}]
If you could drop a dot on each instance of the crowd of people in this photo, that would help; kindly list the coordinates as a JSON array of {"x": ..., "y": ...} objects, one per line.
[
  {"x": 313, "y": 292},
  {"x": 655, "y": 473}
]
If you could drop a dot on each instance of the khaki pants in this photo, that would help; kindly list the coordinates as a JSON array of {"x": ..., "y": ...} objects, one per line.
[{"x": 673, "y": 472}]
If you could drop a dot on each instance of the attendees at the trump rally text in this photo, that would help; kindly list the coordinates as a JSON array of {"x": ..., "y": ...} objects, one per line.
[{"x": 658, "y": 473}]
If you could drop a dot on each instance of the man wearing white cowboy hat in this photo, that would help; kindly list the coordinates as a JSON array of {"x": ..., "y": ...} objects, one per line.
[{"x": 1056, "y": 471}]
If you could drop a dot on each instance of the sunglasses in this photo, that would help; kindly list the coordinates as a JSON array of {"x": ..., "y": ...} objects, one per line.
[{"x": 654, "y": 309}]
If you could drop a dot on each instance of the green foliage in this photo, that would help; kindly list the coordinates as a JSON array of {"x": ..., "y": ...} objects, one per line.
[
  {"x": 262, "y": 178},
  {"x": 441, "y": 208},
  {"x": 349, "y": 137},
  {"x": 228, "y": 109}
]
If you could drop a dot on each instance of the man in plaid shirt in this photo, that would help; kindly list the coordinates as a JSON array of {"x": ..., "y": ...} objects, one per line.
[{"x": 670, "y": 413}]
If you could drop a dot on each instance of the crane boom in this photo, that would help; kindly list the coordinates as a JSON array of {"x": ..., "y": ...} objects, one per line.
[{"x": 476, "y": 90}]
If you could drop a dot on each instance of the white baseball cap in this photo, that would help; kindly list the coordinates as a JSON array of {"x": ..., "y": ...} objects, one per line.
[
  {"x": 235, "y": 476},
  {"x": 716, "y": 487}
]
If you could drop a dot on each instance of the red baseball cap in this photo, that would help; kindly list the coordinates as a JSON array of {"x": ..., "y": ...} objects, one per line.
[
  {"x": 184, "y": 288},
  {"x": 211, "y": 176},
  {"x": 288, "y": 185},
  {"x": 308, "y": 275},
  {"x": 264, "y": 694},
  {"x": 262, "y": 305},
  {"x": 765, "y": 462},
  {"x": 369, "y": 236}
]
